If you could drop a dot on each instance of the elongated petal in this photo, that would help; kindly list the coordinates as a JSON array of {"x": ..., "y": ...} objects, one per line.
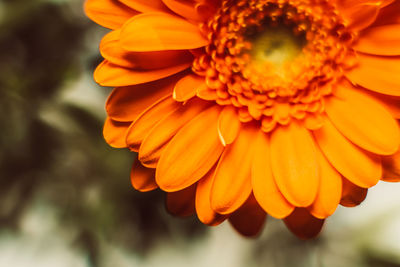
[
  {"x": 107, "y": 74},
  {"x": 364, "y": 121},
  {"x": 143, "y": 179},
  {"x": 228, "y": 125},
  {"x": 160, "y": 31},
  {"x": 148, "y": 119},
  {"x": 352, "y": 195},
  {"x": 330, "y": 189},
  {"x": 146, "y": 5},
  {"x": 191, "y": 153},
  {"x": 127, "y": 103},
  {"x": 158, "y": 137},
  {"x": 232, "y": 184},
  {"x": 380, "y": 40},
  {"x": 389, "y": 14},
  {"x": 203, "y": 206},
  {"x": 108, "y": 13},
  {"x": 186, "y": 9},
  {"x": 186, "y": 87},
  {"x": 360, "y": 167},
  {"x": 264, "y": 187},
  {"x": 181, "y": 203},
  {"x": 114, "y": 132},
  {"x": 294, "y": 164},
  {"x": 303, "y": 224},
  {"x": 111, "y": 50},
  {"x": 391, "y": 168},
  {"x": 360, "y": 16},
  {"x": 391, "y": 103},
  {"x": 249, "y": 219},
  {"x": 385, "y": 78}
]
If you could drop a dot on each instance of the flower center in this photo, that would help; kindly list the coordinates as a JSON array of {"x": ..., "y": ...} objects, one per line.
[
  {"x": 274, "y": 60},
  {"x": 274, "y": 49}
]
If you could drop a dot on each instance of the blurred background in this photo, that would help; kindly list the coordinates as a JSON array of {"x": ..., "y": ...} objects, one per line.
[{"x": 66, "y": 198}]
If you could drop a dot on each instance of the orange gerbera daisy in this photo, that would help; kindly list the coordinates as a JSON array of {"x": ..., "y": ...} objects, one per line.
[{"x": 242, "y": 108}]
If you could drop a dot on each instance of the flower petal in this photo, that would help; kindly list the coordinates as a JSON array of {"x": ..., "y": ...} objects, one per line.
[
  {"x": 360, "y": 15},
  {"x": 203, "y": 206},
  {"x": 228, "y": 125},
  {"x": 385, "y": 78},
  {"x": 186, "y": 87},
  {"x": 127, "y": 103},
  {"x": 391, "y": 168},
  {"x": 146, "y": 5},
  {"x": 111, "y": 50},
  {"x": 108, "y": 74},
  {"x": 191, "y": 153},
  {"x": 264, "y": 186},
  {"x": 160, "y": 31},
  {"x": 363, "y": 121},
  {"x": 380, "y": 40},
  {"x": 108, "y": 13},
  {"x": 232, "y": 181},
  {"x": 249, "y": 219},
  {"x": 294, "y": 164},
  {"x": 114, "y": 132},
  {"x": 303, "y": 224},
  {"x": 159, "y": 136},
  {"x": 360, "y": 167},
  {"x": 185, "y": 8},
  {"x": 142, "y": 178},
  {"x": 352, "y": 195},
  {"x": 148, "y": 119},
  {"x": 181, "y": 203},
  {"x": 330, "y": 189}
]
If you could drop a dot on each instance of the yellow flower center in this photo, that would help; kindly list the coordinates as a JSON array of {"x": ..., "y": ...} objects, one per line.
[
  {"x": 275, "y": 49},
  {"x": 275, "y": 60}
]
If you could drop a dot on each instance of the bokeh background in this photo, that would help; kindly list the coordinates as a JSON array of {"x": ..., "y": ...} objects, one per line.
[{"x": 65, "y": 196}]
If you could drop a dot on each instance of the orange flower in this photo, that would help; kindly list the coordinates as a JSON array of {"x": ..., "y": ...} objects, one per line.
[{"x": 242, "y": 108}]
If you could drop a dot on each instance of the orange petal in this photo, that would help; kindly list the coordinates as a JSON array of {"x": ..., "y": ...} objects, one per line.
[
  {"x": 160, "y": 31},
  {"x": 146, "y": 5},
  {"x": 389, "y": 14},
  {"x": 380, "y": 40},
  {"x": 143, "y": 179},
  {"x": 111, "y": 50},
  {"x": 391, "y": 103},
  {"x": 114, "y": 132},
  {"x": 385, "y": 78},
  {"x": 264, "y": 187},
  {"x": 203, "y": 207},
  {"x": 232, "y": 181},
  {"x": 352, "y": 195},
  {"x": 186, "y": 87},
  {"x": 148, "y": 119},
  {"x": 361, "y": 15},
  {"x": 294, "y": 164},
  {"x": 330, "y": 189},
  {"x": 186, "y": 9},
  {"x": 108, "y": 13},
  {"x": 191, "y": 153},
  {"x": 363, "y": 121},
  {"x": 228, "y": 125},
  {"x": 391, "y": 168},
  {"x": 108, "y": 74},
  {"x": 249, "y": 219},
  {"x": 181, "y": 203},
  {"x": 158, "y": 137},
  {"x": 303, "y": 224},
  {"x": 360, "y": 167},
  {"x": 127, "y": 103}
]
